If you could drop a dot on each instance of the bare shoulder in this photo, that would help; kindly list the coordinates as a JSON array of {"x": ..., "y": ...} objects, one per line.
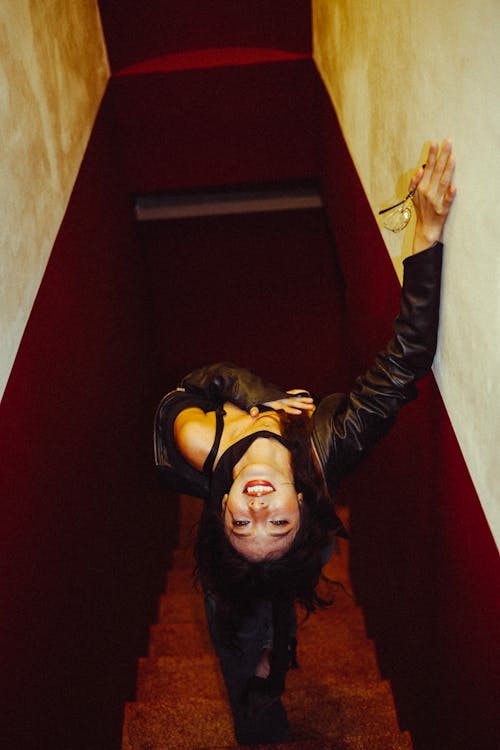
[{"x": 194, "y": 433}]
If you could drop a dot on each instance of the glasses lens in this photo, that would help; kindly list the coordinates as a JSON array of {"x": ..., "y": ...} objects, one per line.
[{"x": 397, "y": 219}]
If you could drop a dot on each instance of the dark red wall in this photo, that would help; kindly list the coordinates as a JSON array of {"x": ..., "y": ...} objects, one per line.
[
  {"x": 250, "y": 289},
  {"x": 139, "y": 31},
  {"x": 207, "y": 125},
  {"x": 82, "y": 530}
]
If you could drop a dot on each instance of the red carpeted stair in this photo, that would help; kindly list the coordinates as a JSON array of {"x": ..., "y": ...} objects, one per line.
[{"x": 336, "y": 700}]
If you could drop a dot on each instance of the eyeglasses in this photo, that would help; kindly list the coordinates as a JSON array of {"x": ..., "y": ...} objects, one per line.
[{"x": 398, "y": 215}]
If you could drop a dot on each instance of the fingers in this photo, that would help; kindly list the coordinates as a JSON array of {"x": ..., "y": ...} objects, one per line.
[
  {"x": 434, "y": 195},
  {"x": 415, "y": 180},
  {"x": 439, "y": 170},
  {"x": 429, "y": 164},
  {"x": 292, "y": 405}
]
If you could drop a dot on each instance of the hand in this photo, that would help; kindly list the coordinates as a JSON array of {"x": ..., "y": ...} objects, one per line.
[
  {"x": 294, "y": 405},
  {"x": 433, "y": 195}
]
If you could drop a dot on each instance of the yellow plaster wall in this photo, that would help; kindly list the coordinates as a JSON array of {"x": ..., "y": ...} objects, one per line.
[
  {"x": 53, "y": 72},
  {"x": 400, "y": 74}
]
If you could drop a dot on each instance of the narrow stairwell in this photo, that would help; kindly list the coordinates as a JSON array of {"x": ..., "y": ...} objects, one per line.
[{"x": 336, "y": 700}]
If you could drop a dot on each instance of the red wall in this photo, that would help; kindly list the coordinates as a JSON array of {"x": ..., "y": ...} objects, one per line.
[
  {"x": 216, "y": 125},
  {"x": 424, "y": 562},
  {"x": 140, "y": 31},
  {"x": 82, "y": 531},
  {"x": 249, "y": 289}
]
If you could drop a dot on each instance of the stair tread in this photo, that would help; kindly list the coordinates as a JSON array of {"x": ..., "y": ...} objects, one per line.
[
  {"x": 174, "y": 675},
  {"x": 331, "y": 712},
  {"x": 329, "y": 709},
  {"x": 162, "y": 725},
  {"x": 181, "y": 606},
  {"x": 171, "y": 638},
  {"x": 354, "y": 742},
  {"x": 201, "y": 676}
]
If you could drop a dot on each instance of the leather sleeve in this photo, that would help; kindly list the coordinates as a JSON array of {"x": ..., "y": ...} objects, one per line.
[
  {"x": 225, "y": 381},
  {"x": 346, "y": 426}
]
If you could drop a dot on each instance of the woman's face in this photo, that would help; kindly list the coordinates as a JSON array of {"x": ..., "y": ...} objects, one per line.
[{"x": 262, "y": 511}]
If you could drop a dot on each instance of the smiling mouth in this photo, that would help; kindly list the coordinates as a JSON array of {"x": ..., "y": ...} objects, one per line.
[{"x": 258, "y": 487}]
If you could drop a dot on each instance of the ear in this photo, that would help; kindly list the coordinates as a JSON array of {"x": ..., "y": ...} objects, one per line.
[
  {"x": 300, "y": 498},
  {"x": 224, "y": 503}
]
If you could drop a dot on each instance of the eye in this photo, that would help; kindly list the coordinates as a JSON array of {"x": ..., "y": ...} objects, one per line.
[
  {"x": 240, "y": 523},
  {"x": 281, "y": 522}
]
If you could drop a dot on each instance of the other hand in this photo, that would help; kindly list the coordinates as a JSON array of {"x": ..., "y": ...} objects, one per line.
[
  {"x": 433, "y": 195},
  {"x": 295, "y": 404}
]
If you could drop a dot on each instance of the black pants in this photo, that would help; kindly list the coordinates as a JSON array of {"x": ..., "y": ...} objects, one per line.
[{"x": 239, "y": 663}]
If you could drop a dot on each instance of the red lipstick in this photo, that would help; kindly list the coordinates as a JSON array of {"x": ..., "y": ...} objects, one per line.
[{"x": 258, "y": 487}]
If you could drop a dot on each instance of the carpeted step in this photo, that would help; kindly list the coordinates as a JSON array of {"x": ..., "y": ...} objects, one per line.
[
  {"x": 181, "y": 607},
  {"x": 174, "y": 639},
  {"x": 166, "y": 725},
  {"x": 180, "y": 580},
  {"x": 180, "y": 675},
  {"x": 391, "y": 741},
  {"x": 331, "y": 712},
  {"x": 371, "y": 742},
  {"x": 174, "y": 677},
  {"x": 342, "y": 665},
  {"x": 171, "y": 639}
]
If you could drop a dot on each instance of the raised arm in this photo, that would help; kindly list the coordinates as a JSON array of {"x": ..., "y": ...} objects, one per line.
[{"x": 346, "y": 426}]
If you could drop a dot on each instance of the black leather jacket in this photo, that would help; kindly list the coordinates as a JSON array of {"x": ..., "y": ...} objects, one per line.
[{"x": 345, "y": 426}]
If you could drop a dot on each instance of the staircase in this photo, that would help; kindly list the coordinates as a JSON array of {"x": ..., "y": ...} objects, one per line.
[{"x": 335, "y": 701}]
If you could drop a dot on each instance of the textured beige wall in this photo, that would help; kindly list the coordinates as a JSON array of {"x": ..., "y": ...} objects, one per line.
[
  {"x": 53, "y": 72},
  {"x": 398, "y": 75}
]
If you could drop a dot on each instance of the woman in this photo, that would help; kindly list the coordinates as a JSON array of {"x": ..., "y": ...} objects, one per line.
[{"x": 268, "y": 461}]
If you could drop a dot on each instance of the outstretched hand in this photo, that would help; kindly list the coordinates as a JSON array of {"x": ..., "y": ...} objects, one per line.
[
  {"x": 433, "y": 195},
  {"x": 295, "y": 404}
]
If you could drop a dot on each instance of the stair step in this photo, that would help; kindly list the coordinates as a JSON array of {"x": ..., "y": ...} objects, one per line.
[
  {"x": 333, "y": 621},
  {"x": 367, "y": 742},
  {"x": 171, "y": 639},
  {"x": 171, "y": 676},
  {"x": 174, "y": 639},
  {"x": 180, "y": 580},
  {"x": 391, "y": 741},
  {"x": 165, "y": 725},
  {"x": 330, "y": 709},
  {"x": 202, "y": 676},
  {"x": 363, "y": 667},
  {"x": 331, "y": 712},
  {"x": 181, "y": 607},
  {"x": 176, "y": 675}
]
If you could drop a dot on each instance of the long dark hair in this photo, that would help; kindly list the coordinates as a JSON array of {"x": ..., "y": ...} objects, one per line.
[{"x": 237, "y": 583}]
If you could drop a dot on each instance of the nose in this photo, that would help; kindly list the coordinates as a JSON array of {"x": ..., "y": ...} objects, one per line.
[{"x": 256, "y": 503}]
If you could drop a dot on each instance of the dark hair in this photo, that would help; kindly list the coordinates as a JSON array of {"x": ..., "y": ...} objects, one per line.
[{"x": 237, "y": 583}]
